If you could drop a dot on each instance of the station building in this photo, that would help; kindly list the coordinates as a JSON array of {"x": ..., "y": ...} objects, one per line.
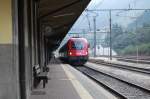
[{"x": 29, "y": 31}]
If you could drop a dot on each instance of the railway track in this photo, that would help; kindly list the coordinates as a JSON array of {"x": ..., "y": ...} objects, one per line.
[
  {"x": 119, "y": 87},
  {"x": 130, "y": 57},
  {"x": 133, "y": 59},
  {"x": 122, "y": 66}
]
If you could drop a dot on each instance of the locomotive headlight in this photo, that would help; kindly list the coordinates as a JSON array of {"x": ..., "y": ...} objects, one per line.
[
  {"x": 86, "y": 52},
  {"x": 70, "y": 53}
]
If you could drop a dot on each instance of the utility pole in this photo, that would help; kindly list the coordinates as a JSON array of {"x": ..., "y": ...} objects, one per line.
[
  {"x": 110, "y": 21},
  {"x": 110, "y": 35},
  {"x": 83, "y": 33},
  {"x": 137, "y": 50},
  {"x": 94, "y": 21}
]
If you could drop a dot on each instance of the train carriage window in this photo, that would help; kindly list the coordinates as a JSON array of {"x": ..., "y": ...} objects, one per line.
[{"x": 79, "y": 45}]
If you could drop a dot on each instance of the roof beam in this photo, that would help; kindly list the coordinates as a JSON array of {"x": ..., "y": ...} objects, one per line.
[{"x": 59, "y": 9}]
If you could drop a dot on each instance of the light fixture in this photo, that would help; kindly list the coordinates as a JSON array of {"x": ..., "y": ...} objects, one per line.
[
  {"x": 70, "y": 53},
  {"x": 63, "y": 15}
]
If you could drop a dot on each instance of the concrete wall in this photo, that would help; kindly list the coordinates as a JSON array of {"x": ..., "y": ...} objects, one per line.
[
  {"x": 5, "y": 22},
  {"x": 11, "y": 87},
  {"x": 8, "y": 69}
]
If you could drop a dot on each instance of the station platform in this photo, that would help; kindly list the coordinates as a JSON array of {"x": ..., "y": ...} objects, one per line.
[{"x": 65, "y": 82}]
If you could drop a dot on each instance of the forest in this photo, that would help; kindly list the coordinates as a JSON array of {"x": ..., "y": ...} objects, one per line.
[{"x": 135, "y": 38}]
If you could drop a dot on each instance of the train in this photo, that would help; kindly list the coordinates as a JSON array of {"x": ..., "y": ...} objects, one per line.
[{"x": 75, "y": 51}]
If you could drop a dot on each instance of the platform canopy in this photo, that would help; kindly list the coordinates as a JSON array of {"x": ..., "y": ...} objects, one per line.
[{"x": 56, "y": 17}]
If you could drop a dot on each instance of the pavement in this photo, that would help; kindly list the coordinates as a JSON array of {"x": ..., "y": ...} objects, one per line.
[{"x": 65, "y": 82}]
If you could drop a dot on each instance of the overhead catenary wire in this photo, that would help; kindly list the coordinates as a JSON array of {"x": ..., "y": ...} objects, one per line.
[
  {"x": 99, "y": 3},
  {"x": 87, "y": 16}
]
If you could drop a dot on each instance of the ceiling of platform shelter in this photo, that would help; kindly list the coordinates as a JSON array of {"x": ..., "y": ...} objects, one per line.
[{"x": 57, "y": 17}]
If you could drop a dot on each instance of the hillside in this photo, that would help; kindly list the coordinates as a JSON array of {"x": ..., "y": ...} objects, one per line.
[
  {"x": 144, "y": 19},
  {"x": 132, "y": 39}
]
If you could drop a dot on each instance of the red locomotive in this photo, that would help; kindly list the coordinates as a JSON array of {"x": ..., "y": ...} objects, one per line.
[{"x": 75, "y": 51}]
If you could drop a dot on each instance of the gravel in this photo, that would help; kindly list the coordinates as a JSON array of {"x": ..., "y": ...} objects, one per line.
[{"x": 125, "y": 89}]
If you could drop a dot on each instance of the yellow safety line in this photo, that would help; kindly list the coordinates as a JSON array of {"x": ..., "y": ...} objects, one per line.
[{"x": 83, "y": 93}]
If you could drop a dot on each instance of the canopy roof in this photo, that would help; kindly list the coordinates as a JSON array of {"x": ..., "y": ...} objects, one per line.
[{"x": 56, "y": 17}]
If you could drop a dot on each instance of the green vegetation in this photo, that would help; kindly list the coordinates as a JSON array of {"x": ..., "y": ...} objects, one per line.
[
  {"x": 143, "y": 49},
  {"x": 129, "y": 42},
  {"x": 135, "y": 38}
]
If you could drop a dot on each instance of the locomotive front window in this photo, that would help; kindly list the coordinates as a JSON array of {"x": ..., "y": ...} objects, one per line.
[{"x": 78, "y": 45}]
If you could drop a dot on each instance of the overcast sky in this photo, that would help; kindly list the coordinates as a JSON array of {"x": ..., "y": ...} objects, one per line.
[
  {"x": 119, "y": 4},
  {"x": 102, "y": 19},
  {"x": 83, "y": 22}
]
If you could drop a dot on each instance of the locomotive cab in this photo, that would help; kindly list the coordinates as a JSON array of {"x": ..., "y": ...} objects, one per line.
[
  {"x": 78, "y": 51},
  {"x": 75, "y": 51}
]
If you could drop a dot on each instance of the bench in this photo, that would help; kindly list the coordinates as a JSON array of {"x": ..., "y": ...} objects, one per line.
[{"x": 41, "y": 75}]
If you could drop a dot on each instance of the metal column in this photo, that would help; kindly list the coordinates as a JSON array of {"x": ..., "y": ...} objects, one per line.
[
  {"x": 110, "y": 35},
  {"x": 94, "y": 21}
]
